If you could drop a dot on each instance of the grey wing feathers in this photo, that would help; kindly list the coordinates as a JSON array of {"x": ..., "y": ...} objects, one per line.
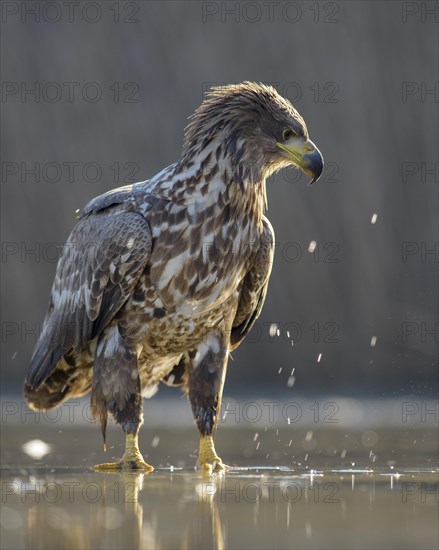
[
  {"x": 100, "y": 265},
  {"x": 254, "y": 288},
  {"x": 110, "y": 198},
  {"x": 114, "y": 197}
]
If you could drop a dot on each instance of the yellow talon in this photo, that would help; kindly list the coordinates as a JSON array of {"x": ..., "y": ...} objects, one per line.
[
  {"x": 132, "y": 459},
  {"x": 207, "y": 457}
]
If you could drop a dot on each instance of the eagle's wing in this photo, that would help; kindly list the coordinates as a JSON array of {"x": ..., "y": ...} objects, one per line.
[
  {"x": 99, "y": 267},
  {"x": 254, "y": 288}
]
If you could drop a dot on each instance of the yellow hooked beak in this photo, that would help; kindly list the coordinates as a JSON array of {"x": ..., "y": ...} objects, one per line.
[{"x": 303, "y": 153}]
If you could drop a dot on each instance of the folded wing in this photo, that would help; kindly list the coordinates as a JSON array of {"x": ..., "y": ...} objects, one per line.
[
  {"x": 254, "y": 288},
  {"x": 99, "y": 268}
]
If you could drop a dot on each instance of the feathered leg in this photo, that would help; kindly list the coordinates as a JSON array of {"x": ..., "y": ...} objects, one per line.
[
  {"x": 117, "y": 390},
  {"x": 205, "y": 383}
]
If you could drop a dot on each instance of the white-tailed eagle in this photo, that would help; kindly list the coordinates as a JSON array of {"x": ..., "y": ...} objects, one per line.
[{"x": 161, "y": 279}]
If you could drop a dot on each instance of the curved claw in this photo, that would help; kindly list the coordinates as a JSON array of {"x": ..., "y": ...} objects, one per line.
[
  {"x": 215, "y": 466},
  {"x": 208, "y": 460}
]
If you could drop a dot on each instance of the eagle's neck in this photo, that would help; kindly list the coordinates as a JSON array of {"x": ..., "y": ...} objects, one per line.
[
  {"x": 244, "y": 185},
  {"x": 214, "y": 177}
]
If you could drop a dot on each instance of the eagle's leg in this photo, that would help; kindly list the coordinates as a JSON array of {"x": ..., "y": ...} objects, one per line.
[
  {"x": 131, "y": 418},
  {"x": 207, "y": 457},
  {"x": 117, "y": 390},
  {"x": 132, "y": 458},
  {"x": 205, "y": 387}
]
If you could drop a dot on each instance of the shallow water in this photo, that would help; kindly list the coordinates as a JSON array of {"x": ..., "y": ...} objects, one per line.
[
  {"x": 247, "y": 508},
  {"x": 343, "y": 490}
]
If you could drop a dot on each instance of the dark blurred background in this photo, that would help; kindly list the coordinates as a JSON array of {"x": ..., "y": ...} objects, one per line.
[{"x": 97, "y": 94}]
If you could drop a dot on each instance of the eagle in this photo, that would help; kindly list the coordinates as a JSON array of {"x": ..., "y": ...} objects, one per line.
[{"x": 160, "y": 280}]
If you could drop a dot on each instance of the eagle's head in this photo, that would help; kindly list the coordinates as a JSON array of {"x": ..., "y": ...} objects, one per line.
[{"x": 252, "y": 129}]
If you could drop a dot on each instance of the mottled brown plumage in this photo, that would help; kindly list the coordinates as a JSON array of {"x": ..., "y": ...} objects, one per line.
[{"x": 160, "y": 279}]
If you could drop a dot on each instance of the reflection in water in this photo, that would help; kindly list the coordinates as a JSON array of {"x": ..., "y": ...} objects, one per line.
[
  {"x": 206, "y": 530},
  {"x": 254, "y": 507},
  {"x": 112, "y": 515},
  {"x": 109, "y": 514},
  {"x": 53, "y": 527},
  {"x": 120, "y": 515}
]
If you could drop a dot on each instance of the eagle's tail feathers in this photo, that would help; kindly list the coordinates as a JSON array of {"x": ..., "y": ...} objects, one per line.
[
  {"x": 46, "y": 397},
  {"x": 43, "y": 363}
]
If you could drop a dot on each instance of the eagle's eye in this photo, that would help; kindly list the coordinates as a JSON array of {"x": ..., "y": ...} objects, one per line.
[{"x": 288, "y": 133}]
